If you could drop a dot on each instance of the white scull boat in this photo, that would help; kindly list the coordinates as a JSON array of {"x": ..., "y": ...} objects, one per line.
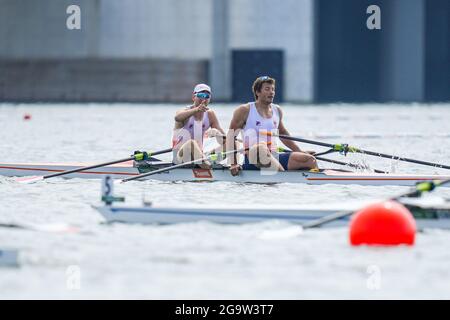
[
  {"x": 218, "y": 173},
  {"x": 426, "y": 217},
  {"x": 434, "y": 214}
]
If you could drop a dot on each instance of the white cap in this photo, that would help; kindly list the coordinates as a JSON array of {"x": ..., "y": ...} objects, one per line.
[{"x": 202, "y": 87}]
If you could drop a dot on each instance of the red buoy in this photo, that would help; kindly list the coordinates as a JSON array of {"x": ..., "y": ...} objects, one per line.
[
  {"x": 27, "y": 116},
  {"x": 384, "y": 223}
]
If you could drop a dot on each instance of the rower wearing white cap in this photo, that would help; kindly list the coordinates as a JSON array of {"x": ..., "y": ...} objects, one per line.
[{"x": 191, "y": 123}]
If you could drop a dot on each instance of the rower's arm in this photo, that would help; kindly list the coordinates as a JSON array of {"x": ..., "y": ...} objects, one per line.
[
  {"x": 283, "y": 131},
  {"x": 236, "y": 125},
  {"x": 182, "y": 115},
  {"x": 214, "y": 123}
]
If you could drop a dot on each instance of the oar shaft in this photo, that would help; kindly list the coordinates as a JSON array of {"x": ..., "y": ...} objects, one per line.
[
  {"x": 103, "y": 164},
  {"x": 159, "y": 152},
  {"x": 346, "y": 164},
  {"x": 318, "y": 143},
  {"x": 160, "y": 170},
  {"x": 335, "y": 161},
  {"x": 184, "y": 164},
  {"x": 326, "y": 219},
  {"x": 87, "y": 168},
  {"x": 426, "y": 163},
  {"x": 372, "y": 153},
  {"x": 426, "y": 186},
  {"x": 422, "y": 187}
]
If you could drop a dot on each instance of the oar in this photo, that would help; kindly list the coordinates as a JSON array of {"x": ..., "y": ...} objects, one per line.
[
  {"x": 420, "y": 188},
  {"x": 344, "y": 148},
  {"x": 352, "y": 165},
  {"x": 213, "y": 157},
  {"x": 137, "y": 157},
  {"x": 281, "y": 149}
]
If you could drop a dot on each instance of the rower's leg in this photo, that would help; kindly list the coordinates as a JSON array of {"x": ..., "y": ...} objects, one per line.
[
  {"x": 197, "y": 153},
  {"x": 261, "y": 156},
  {"x": 301, "y": 160},
  {"x": 191, "y": 151}
]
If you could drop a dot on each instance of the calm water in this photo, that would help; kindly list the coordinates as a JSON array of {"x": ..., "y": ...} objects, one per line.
[{"x": 204, "y": 260}]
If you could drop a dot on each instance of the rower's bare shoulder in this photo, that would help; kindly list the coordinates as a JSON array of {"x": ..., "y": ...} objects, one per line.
[
  {"x": 240, "y": 115},
  {"x": 277, "y": 106},
  {"x": 280, "y": 111},
  {"x": 242, "y": 110}
]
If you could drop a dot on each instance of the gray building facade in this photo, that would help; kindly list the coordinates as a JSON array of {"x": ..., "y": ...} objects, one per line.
[{"x": 155, "y": 51}]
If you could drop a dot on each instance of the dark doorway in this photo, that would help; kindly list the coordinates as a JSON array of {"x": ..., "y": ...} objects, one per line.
[
  {"x": 437, "y": 62},
  {"x": 247, "y": 65},
  {"x": 347, "y": 59}
]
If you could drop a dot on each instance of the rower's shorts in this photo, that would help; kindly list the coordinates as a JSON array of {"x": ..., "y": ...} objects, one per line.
[{"x": 283, "y": 158}]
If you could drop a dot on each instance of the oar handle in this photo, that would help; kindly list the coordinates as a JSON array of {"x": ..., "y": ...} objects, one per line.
[
  {"x": 281, "y": 136},
  {"x": 235, "y": 138}
]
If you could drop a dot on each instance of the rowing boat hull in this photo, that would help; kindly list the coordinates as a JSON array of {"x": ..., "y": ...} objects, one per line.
[
  {"x": 127, "y": 170},
  {"x": 153, "y": 215},
  {"x": 118, "y": 171}
]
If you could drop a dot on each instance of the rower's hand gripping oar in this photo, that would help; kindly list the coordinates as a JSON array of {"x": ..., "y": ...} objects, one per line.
[
  {"x": 419, "y": 189},
  {"x": 345, "y": 148},
  {"x": 137, "y": 156},
  {"x": 212, "y": 157}
]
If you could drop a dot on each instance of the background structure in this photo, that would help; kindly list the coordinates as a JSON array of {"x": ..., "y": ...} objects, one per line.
[{"x": 155, "y": 51}]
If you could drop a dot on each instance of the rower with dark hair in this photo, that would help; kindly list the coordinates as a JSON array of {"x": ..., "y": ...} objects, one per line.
[{"x": 255, "y": 118}]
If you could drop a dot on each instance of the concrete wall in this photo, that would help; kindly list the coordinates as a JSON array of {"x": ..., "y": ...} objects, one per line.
[
  {"x": 176, "y": 29},
  {"x": 37, "y": 29},
  {"x": 284, "y": 24},
  {"x": 329, "y": 55},
  {"x": 109, "y": 28},
  {"x": 126, "y": 50},
  {"x": 266, "y": 24},
  {"x": 106, "y": 80},
  {"x": 154, "y": 29}
]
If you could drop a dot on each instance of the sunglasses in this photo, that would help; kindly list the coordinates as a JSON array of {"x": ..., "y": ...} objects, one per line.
[
  {"x": 263, "y": 78},
  {"x": 203, "y": 95}
]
